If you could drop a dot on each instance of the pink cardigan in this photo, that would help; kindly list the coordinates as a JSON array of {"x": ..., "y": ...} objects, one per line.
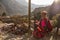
[{"x": 43, "y": 24}]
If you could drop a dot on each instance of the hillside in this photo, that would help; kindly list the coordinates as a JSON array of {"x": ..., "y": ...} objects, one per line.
[{"x": 13, "y": 7}]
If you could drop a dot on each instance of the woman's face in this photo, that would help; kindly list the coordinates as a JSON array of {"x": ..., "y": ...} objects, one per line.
[{"x": 43, "y": 14}]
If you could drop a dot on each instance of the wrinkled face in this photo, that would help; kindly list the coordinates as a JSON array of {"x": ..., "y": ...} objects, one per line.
[{"x": 43, "y": 14}]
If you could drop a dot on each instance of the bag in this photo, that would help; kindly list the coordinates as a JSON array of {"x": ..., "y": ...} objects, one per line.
[{"x": 39, "y": 32}]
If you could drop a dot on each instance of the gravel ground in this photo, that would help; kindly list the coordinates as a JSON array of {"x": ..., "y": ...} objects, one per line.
[{"x": 9, "y": 36}]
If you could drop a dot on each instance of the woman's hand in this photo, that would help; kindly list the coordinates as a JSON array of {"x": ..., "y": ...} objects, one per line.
[{"x": 37, "y": 22}]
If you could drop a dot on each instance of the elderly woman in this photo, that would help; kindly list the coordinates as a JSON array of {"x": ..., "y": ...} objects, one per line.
[{"x": 43, "y": 26}]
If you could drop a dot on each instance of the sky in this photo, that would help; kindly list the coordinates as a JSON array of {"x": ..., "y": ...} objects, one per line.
[{"x": 41, "y": 2}]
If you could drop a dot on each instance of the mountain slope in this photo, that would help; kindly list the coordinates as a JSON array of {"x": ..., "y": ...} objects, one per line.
[
  {"x": 2, "y": 9},
  {"x": 13, "y": 7}
]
